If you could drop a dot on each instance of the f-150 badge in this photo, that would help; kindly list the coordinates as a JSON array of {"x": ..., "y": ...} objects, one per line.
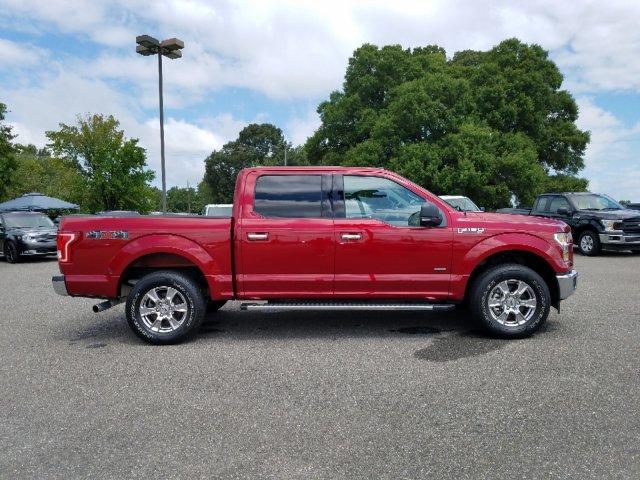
[
  {"x": 475, "y": 230},
  {"x": 103, "y": 235}
]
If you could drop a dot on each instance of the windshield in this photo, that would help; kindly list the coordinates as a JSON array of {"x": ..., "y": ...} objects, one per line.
[
  {"x": 27, "y": 221},
  {"x": 595, "y": 202},
  {"x": 463, "y": 204}
]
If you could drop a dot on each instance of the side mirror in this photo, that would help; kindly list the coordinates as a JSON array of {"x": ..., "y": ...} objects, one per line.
[
  {"x": 563, "y": 211},
  {"x": 429, "y": 215}
]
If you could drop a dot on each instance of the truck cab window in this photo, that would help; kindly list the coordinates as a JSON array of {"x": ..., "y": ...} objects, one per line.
[
  {"x": 556, "y": 203},
  {"x": 379, "y": 198},
  {"x": 289, "y": 196}
]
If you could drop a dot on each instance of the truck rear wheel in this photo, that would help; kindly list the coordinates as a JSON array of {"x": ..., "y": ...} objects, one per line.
[
  {"x": 165, "y": 307},
  {"x": 510, "y": 301}
]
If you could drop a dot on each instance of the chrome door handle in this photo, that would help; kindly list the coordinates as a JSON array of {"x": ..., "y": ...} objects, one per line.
[
  {"x": 256, "y": 237},
  {"x": 351, "y": 237}
]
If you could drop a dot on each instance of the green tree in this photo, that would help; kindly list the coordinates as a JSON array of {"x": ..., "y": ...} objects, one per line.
[
  {"x": 185, "y": 200},
  {"x": 37, "y": 171},
  {"x": 257, "y": 144},
  {"x": 7, "y": 154},
  {"x": 113, "y": 167},
  {"x": 492, "y": 125}
]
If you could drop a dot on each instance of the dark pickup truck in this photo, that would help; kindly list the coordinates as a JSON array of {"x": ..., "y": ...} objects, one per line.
[{"x": 597, "y": 221}]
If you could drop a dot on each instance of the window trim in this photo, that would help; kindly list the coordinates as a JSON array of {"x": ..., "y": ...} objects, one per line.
[{"x": 325, "y": 203}]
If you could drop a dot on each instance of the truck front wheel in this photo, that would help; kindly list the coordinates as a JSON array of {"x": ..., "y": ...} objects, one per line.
[
  {"x": 589, "y": 243},
  {"x": 510, "y": 301},
  {"x": 165, "y": 307}
]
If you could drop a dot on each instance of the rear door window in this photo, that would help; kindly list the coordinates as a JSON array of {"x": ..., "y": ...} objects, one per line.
[{"x": 289, "y": 196}]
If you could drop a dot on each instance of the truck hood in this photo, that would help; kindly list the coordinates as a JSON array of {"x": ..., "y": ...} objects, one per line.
[
  {"x": 611, "y": 214},
  {"x": 523, "y": 223},
  {"x": 32, "y": 231}
]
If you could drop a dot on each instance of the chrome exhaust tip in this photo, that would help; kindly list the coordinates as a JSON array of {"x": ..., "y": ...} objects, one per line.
[{"x": 106, "y": 305}]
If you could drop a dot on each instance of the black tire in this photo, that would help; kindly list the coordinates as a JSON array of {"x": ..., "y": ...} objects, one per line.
[
  {"x": 11, "y": 253},
  {"x": 215, "y": 305},
  {"x": 490, "y": 283},
  {"x": 589, "y": 243},
  {"x": 190, "y": 297}
]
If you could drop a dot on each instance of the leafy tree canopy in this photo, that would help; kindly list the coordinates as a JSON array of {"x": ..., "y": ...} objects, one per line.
[
  {"x": 492, "y": 125},
  {"x": 7, "y": 157},
  {"x": 113, "y": 167},
  {"x": 256, "y": 145},
  {"x": 37, "y": 171}
]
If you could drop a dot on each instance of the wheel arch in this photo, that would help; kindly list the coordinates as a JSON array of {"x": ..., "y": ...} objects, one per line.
[
  {"x": 531, "y": 251},
  {"x": 520, "y": 257},
  {"x": 163, "y": 252}
]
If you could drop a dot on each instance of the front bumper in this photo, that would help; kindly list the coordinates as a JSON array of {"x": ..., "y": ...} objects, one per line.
[
  {"x": 58, "y": 285},
  {"x": 620, "y": 240},
  {"x": 567, "y": 284},
  {"x": 37, "y": 248}
]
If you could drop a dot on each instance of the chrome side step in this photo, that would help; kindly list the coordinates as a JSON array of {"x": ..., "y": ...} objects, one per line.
[{"x": 345, "y": 305}]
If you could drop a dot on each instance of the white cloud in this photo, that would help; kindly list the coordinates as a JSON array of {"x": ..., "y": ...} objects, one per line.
[
  {"x": 611, "y": 161},
  {"x": 15, "y": 55},
  {"x": 36, "y": 109},
  {"x": 300, "y": 128}
]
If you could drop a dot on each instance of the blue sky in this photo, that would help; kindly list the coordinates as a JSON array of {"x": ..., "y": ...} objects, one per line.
[{"x": 274, "y": 61}]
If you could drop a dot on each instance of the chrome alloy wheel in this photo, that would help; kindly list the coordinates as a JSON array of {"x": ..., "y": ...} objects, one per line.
[
  {"x": 586, "y": 243},
  {"x": 512, "y": 302},
  {"x": 163, "y": 309}
]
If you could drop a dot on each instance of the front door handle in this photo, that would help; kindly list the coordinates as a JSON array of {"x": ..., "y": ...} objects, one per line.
[
  {"x": 351, "y": 237},
  {"x": 257, "y": 237}
]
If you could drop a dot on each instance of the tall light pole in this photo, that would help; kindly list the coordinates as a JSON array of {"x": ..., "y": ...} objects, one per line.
[{"x": 170, "y": 48}]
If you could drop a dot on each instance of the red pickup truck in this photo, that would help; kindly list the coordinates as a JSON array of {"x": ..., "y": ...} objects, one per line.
[{"x": 319, "y": 238}]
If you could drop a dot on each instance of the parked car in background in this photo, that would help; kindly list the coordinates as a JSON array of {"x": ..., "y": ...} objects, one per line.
[
  {"x": 320, "y": 238},
  {"x": 26, "y": 233},
  {"x": 220, "y": 210},
  {"x": 596, "y": 220},
  {"x": 461, "y": 203},
  {"x": 633, "y": 206}
]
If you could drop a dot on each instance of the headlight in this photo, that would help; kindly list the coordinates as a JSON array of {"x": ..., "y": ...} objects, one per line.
[
  {"x": 611, "y": 225},
  {"x": 565, "y": 240}
]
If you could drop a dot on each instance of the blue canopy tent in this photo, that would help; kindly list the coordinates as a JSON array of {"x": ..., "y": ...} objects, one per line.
[{"x": 36, "y": 202}]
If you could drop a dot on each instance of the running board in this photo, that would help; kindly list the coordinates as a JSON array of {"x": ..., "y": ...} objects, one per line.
[{"x": 346, "y": 305}]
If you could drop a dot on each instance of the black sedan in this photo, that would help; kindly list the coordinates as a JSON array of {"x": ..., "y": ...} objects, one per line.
[{"x": 26, "y": 233}]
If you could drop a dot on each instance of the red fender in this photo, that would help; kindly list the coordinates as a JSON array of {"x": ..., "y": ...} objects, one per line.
[
  {"x": 464, "y": 265},
  {"x": 218, "y": 280}
]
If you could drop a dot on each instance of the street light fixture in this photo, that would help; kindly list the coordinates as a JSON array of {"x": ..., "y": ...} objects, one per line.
[{"x": 172, "y": 49}]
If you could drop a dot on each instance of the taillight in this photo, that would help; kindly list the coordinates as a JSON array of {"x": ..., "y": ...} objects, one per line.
[{"x": 63, "y": 241}]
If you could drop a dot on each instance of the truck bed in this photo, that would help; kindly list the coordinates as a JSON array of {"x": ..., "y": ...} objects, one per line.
[{"x": 107, "y": 246}]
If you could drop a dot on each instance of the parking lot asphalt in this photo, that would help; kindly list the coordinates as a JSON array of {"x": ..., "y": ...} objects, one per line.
[{"x": 321, "y": 395}]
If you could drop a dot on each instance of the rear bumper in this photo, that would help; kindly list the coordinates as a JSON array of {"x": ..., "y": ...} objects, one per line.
[
  {"x": 58, "y": 285},
  {"x": 567, "y": 284}
]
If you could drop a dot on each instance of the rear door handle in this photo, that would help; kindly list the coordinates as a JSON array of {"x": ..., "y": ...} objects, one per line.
[
  {"x": 351, "y": 237},
  {"x": 257, "y": 237}
]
